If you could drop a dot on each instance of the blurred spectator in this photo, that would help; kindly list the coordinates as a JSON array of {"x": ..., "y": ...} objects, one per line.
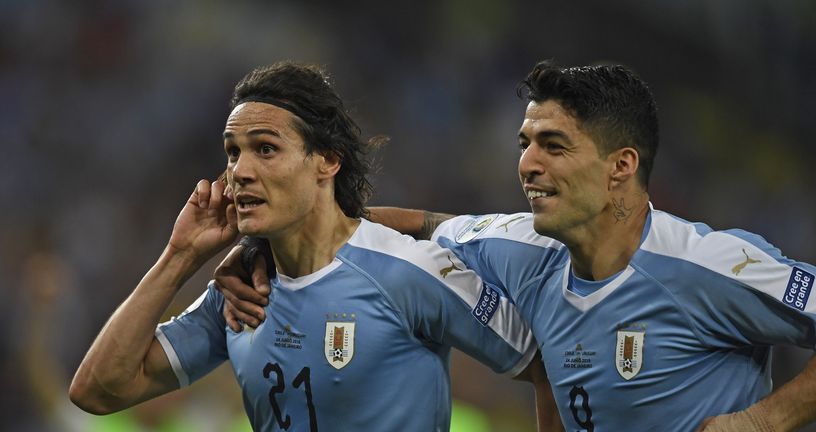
[{"x": 102, "y": 100}]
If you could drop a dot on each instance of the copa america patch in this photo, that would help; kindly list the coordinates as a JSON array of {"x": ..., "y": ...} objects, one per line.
[
  {"x": 486, "y": 305},
  {"x": 475, "y": 227},
  {"x": 798, "y": 290}
]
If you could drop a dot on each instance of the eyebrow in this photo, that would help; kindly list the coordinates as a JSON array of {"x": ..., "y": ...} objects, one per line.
[
  {"x": 254, "y": 132},
  {"x": 543, "y": 135}
]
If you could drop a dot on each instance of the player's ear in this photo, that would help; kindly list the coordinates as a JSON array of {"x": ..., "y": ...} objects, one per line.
[
  {"x": 328, "y": 164},
  {"x": 626, "y": 162}
]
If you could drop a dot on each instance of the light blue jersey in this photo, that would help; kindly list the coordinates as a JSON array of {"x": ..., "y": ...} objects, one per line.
[
  {"x": 362, "y": 344},
  {"x": 681, "y": 334}
]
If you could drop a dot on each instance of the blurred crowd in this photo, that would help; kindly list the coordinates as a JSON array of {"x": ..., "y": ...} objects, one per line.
[{"x": 111, "y": 111}]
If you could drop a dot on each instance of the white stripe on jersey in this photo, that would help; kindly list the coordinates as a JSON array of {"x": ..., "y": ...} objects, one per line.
[
  {"x": 432, "y": 258},
  {"x": 295, "y": 284},
  {"x": 182, "y": 377},
  {"x": 584, "y": 304},
  {"x": 720, "y": 252}
]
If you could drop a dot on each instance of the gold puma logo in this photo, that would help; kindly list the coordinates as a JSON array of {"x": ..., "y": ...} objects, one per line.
[
  {"x": 509, "y": 222},
  {"x": 444, "y": 272},
  {"x": 739, "y": 267}
]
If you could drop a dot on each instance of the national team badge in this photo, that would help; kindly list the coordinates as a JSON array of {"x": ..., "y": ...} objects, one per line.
[
  {"x": 474, "y": 228},
  {"x": 629, "y": 353},
  {"x": 338, "y": 344}
]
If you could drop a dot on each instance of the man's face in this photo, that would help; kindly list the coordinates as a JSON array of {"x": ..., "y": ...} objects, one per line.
[
  {"x": 563, "y": 176},
  {"x": 274, "y": 182}
]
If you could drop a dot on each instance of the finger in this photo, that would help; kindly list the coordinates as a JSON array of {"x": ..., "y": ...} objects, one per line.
[
  {"x": 243, "y": 297},
  {"x": 228, "y": 192},
  {"x": 260, "y": 278},
  {"x": 232, "y": 216},
  {"x": 238, "y": 309},
  {"x": 203, "y": 193},
  {"x": 216, "y": 195},
  {"x": 229, "y": 317},
  {"x": 243, "y": 317}
]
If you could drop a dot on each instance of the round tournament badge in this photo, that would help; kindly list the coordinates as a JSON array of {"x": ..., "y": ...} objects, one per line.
[{"x": 475, "y": 227}]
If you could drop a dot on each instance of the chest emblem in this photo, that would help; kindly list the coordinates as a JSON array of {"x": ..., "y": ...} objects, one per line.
[
  {"x": 338, "y": 346},
  {"x": 629, "y": 353}
]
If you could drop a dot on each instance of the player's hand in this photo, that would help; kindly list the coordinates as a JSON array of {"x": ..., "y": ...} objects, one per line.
[
  {"x": 206, "y": 224},
  {"x": 242, "y": 302},
  {"x": 748, "y": 420}
]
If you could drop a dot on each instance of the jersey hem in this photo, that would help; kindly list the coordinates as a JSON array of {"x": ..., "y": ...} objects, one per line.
[{"x": 175, "y": 362}]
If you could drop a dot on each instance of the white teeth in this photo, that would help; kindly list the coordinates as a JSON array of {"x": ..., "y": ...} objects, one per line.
[
  {"x": 248, "y": 203},
  {"x": 531, "y": 195}
]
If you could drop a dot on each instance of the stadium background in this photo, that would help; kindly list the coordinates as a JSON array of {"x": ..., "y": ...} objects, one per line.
[{"x": 112, "y": 111}]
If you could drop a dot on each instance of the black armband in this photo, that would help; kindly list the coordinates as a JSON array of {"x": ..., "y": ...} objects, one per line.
[{"x": 252, "y": 247}]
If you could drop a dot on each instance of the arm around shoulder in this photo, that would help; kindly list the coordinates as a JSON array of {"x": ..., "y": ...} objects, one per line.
[{"x": 419, "y": 224}]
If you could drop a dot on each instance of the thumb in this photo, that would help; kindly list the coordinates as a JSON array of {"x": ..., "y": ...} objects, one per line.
[{"x": 232, "y": 217}]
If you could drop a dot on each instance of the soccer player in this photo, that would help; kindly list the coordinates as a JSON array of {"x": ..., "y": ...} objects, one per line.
[
  {"x": 362, "y": 318},
  {"x": 645, "y": 321}
]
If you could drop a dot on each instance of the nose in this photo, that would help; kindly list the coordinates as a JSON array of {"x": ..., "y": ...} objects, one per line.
[
  {"x": 529, "y": 164},
  {"x": 242, "y": 170}
]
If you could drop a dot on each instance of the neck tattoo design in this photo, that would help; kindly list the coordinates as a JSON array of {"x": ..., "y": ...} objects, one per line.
[{"x": 622, "y": 213}]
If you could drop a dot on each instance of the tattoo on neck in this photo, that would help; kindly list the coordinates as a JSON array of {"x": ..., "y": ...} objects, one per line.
[{"x": 622, "y": 213}]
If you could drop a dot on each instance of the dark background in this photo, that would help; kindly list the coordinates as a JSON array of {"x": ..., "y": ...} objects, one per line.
[{"x": 110, "y": 113}]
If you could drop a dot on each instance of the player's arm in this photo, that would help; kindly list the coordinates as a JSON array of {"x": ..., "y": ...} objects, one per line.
[
  {"x": 419, "y": 224},
  {"x": 249, "y": 260},
  {"x": 547, "y": 415},
  {"x": 755, "y": 307},
  {"x": 786, "y": 409},
  {"x": 126, "y": 364}
]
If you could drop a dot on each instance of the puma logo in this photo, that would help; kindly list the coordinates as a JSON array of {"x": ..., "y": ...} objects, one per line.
[
  {"x": 739, "y": 267},
  {"x": 505, "y": 225},
  {"x": 444, "y": 272}
]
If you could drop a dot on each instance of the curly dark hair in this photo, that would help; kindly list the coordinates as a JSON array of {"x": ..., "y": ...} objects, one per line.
[
  {"x": 322, "y": 121},
  {"x": 610, "y": 102}
]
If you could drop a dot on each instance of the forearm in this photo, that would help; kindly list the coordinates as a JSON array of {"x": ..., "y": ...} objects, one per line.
[
  {"x": 547, "y": 416},
  {"x": 794, "y": 404},
  {"x": 120, "y": 369},
  {"x": 419, "y": 224}
]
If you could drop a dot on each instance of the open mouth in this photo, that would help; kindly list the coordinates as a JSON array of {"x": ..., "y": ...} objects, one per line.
[
  {"x": 247, "y": 203},
  {"x": 531, "y": 195}
]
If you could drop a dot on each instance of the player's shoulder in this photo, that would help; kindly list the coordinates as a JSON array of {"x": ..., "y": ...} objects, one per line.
[
  {"x": 388, "y": 247},
  {"x": 674, "y": 236},
  {"x": 517, "y": 227},
  {"x": 734, "y": 254}
]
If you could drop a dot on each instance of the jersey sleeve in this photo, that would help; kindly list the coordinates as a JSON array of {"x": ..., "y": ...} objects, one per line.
[
  {"x": 503, "y": 249},
  {"x": 440, "y": 300},
  {"x": 749, "y": 293},
  {"x": 195, "y": 341}
]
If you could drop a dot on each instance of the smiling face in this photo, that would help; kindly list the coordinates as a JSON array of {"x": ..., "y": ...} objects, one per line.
[
  {"x": 275, "y": 183},
  {"x": 564, "y": 177}
]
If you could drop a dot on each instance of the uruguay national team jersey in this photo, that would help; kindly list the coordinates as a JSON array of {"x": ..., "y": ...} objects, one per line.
[
  {"x": 362, "y": 344},
  {"x": 681, "y": 334}
]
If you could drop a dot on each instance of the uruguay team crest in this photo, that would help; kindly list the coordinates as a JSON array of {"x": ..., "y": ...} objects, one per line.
[
  {"x": 338, "y": 345},
  {"x": 629, "y": 353},
  {"x": 475, "y": 228}
]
